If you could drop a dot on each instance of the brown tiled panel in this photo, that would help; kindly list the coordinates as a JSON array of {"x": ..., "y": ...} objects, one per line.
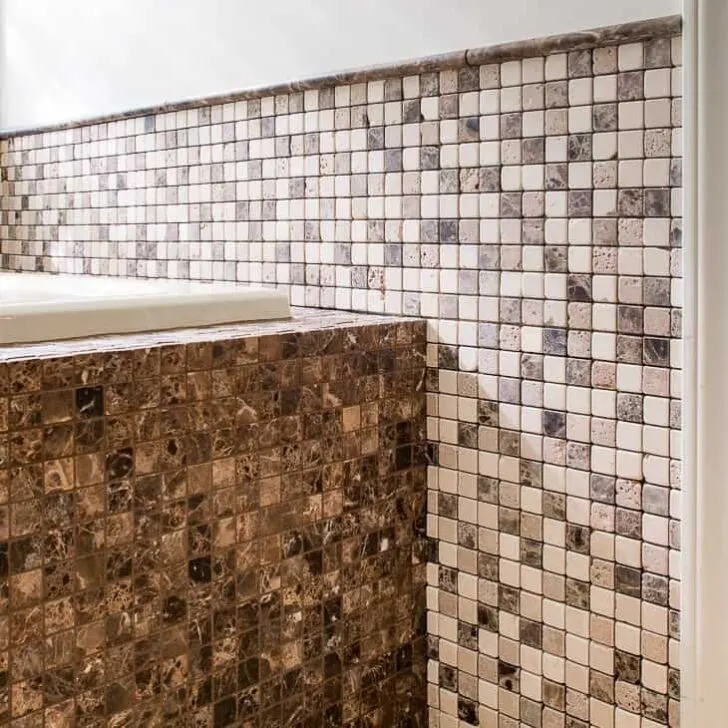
[{"x": 226, "y": 532}]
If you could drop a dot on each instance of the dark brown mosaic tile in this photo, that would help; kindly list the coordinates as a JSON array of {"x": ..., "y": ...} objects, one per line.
[{"x": 242, "y": 550}]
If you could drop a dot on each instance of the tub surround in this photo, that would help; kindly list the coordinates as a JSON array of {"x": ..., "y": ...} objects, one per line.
[
  {"x": 530, "y": 208},
  {"x": 215, "y": 531}
]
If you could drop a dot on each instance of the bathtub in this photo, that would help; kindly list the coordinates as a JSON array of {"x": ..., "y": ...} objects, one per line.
[{"x": 37, "y": 307}]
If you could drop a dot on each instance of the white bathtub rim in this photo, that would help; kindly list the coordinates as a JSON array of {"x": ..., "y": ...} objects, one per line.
[{"x": 72, "y": 307}]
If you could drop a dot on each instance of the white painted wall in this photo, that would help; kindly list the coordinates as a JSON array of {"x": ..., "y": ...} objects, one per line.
[{"x": 72, "y": 59}]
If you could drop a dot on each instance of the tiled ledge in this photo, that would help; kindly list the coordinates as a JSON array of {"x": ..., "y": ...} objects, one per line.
[
  {"x": 613, "y": 34},
  {"x": 303, "y": 320}
]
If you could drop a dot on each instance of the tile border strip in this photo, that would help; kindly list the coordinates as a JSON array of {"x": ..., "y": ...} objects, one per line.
[{"x": 613, "y": 34}]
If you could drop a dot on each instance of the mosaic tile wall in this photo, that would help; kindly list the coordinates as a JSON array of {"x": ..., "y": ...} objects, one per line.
[
  {"x": 530, "y": 210},
  {"x": 220, "y": 533}
]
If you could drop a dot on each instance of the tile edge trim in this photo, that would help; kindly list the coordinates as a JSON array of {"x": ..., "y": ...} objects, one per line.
[{"x": 581, "y": 40}]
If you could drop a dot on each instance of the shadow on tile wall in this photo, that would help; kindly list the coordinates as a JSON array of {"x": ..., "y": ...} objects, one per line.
[{"x": 530, "y": 210}]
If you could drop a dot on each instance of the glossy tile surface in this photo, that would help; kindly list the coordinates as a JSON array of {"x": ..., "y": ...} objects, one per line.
[{"x": 218, "y": 533}]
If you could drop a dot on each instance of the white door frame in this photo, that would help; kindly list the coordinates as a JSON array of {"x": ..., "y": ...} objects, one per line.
[{"x": 704, "y": 656}]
